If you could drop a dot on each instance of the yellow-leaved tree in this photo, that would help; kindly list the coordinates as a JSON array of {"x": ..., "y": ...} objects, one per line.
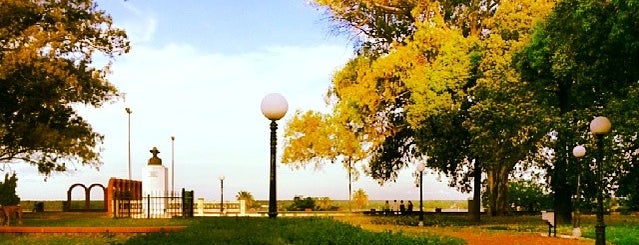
[{"x": 436, "y": 78}]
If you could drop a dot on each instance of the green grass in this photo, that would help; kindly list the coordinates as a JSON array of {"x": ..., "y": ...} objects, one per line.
[
  {"x": 94, "y": 219},
  {"x": 229, "y": 230},
  {"x": 63, "y": 239},
  {"x": 616, "y": 234},
  {"x": 621, "y": 229},
  {"x": 215, "y": 230}
]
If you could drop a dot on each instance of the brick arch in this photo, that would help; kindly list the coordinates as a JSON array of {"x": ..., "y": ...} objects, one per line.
[
  {"x": 87, "y": 197},
  {"x": 104, "y": 194}
]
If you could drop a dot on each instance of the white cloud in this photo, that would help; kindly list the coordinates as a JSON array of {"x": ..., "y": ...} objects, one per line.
[{"x": 210, "y": 102}]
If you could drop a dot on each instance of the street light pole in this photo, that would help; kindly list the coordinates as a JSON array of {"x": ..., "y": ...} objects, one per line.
[
  {"x": 599, "y": 127},
  {"x": 420, "y": 169},
  {"x": 128, "y": 111},
  {"x": 172, "y": 165},
  {"x": 579, "y": 151},
  {"x": 274, "y": 107},
  {"x": 221, "y": 195}
]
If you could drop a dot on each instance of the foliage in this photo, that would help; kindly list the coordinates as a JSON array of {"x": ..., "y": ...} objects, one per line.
[
  {"x": 375, "y": 25},
  {"x": 248, "y": 199},
  {"x": 529, "y": 195},
  {"x": 300, "y": 204},
  {"x": 315, "y": 138},
  {"x": 46, "y": 70},
  {"x": 445, "y": 88},
  {"x": 8, "y": 195},
  {"x": 361, "y": 198},
  {"x": 582, "y": 63},
  {"x": 324, "y": 204},
  {"x": 631, "y": 202}
]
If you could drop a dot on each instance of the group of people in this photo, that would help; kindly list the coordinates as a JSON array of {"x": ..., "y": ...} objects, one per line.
[{"x": 398, "y": 208}]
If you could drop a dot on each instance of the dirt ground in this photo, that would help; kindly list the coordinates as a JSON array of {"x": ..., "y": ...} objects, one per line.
[{"x": 474, "y": 236}]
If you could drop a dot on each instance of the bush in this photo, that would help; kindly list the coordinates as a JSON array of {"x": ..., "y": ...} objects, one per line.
[
  {"x": 8, "y": 196},
  {"x": 301, "y": 204}
]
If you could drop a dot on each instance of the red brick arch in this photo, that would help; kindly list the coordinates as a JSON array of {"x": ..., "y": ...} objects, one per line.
[{"x": 87, "y": 198}]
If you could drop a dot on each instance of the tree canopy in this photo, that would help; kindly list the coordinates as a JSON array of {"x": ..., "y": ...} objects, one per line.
[
  {"x": 441, "y": 84},
  {"x": 484, "y": 86},
  {"x": 47, "y": 49},
  {"x": 581, "y": 63}
]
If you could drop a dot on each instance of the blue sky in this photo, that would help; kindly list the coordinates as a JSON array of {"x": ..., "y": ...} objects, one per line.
[{"x": 198, "y": 71}]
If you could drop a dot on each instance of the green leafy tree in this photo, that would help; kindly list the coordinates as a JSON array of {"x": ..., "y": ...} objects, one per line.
[
  {"x": 300, "y": 204},
  {"x": 530, "y": 195},
  {"x": 8, "y": 196},
  {"x": 46, "y": 70},
  {"x": 248, "y": 199},
  {"x": 435, "y": 92},
  {"x": 582, "y": 63}
]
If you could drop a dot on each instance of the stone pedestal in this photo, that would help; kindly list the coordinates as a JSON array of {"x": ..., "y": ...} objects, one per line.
[
  {"x": 155, "y": 185},
  {"x": 155, "y": 181}
]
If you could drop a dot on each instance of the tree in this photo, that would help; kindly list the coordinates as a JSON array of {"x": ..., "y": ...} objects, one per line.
[
  {"x": 529, "y": 195},
  {"x": 435, "y": 92},
  {"x": 300, "y": 204},
  {"x": 582, "y": 63},
  {"x": 361, "y": 198},
  {"x": 247, "y": 197},
  {"x": 316, "y": 138},
  {"x": 324, "y": 204},
  {"x": 46, "y": 58},
  {"x": 381, "y": 23},
  {"x": 8, "y": 196}
]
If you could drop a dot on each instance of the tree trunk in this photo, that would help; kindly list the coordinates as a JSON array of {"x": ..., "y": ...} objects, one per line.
[
  {"x": 491, "y": 192},
  {"x": 562, "y": 202},
  {"x": 502, "y": 191},
  {"x": 476, "y": 193},
  {"x": 498, "y": 191}
]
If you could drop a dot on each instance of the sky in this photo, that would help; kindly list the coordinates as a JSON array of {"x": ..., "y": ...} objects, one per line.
[{"x": 198, "y": 70}]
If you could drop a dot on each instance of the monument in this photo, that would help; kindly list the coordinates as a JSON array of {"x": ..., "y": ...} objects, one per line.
[{"x": 154, "y": 182}]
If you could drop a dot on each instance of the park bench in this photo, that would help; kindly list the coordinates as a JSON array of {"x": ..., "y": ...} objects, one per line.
[{"x": 549, "y": 217}]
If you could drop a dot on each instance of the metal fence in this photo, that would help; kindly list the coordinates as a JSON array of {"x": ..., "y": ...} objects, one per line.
[{"x": 154, "y": 205}]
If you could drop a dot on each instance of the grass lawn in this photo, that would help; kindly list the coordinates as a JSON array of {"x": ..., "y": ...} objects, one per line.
[
  {"x": 216, "y": 230},
  {"x": 355, "y": 229}
]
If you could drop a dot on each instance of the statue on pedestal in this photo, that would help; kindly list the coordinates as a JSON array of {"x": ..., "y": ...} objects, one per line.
[{"x": 155, "y": 160}]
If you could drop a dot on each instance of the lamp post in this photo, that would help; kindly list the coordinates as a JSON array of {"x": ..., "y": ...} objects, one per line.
[
  {"x": 579, "y": 151},
  {"x": 274, "y": 107},
  {"x": 420, "y": 169},
  {"x": 128, "y": 112},
  {"x": 172, "y": 165},
  {"x": 599, "y": 127},
  {"x": 221, "y": 195}
]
